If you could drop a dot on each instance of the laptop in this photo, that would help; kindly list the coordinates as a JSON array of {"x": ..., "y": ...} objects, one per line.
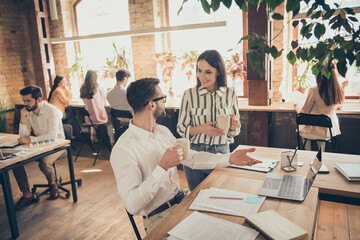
[
  {"x": 291, "y": 187},
  {"x": 7, "y": 153}
]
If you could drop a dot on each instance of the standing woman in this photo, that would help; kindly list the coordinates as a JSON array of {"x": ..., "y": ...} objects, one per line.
[
  {"x": 325, "y": 98},
  {"x": 60, "y": 95},
  {"x": 94, "y": 97},
  {"x": 200, "y": 107}
]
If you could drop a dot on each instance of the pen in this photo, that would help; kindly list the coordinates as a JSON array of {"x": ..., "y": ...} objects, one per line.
[{"x": 232, "y": 198}]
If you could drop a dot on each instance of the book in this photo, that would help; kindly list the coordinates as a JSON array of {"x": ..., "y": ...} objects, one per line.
[
  {"x": 199, "y": 226},
  {"x": 350, "y": 171},
  {"x": 267, "y": 165},
  {"x": 274, "y": 226}
]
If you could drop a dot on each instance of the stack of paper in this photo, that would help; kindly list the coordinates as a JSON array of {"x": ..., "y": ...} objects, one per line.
[
  {"x": 227, "y": 202},
  {"x": 267, "y": 165},
  {"x": 198, "y": 226}
]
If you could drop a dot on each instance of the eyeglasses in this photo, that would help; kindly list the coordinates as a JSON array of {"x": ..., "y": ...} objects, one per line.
[{"x": 156, "y": 99}]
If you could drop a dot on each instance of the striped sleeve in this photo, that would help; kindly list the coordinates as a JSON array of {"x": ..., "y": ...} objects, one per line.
[
  {"x": 185, "y": 120},
  {"x": 235, "y": 111}
]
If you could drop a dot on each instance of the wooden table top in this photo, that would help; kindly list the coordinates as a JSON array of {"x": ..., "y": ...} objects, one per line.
[
  {"x": 301, "y": 213},
  {"x": 40, "y": 149}
]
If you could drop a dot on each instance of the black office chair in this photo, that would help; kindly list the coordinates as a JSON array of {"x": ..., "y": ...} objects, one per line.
[
  {"x": 119, "y": 125},
  {"x": 134, "y": 225},
  {"x": 87, "y": 135},
  {"x": 319, "y": 120},
  {"x": 68, "y": 130}
]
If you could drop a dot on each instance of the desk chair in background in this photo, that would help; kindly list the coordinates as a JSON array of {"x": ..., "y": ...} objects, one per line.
[
  {"x": 314, "y": 120},
  {"x": 87, "y": 135},
  {"x": 133, "y": 225},
  {"x": 68, "y": 130},
  {"x": 119, "y": 125}
]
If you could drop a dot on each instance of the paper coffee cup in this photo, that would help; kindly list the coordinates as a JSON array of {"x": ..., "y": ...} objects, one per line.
[
  {"x": 184, "y": 143},
  {"x": 223, "y": 122}
]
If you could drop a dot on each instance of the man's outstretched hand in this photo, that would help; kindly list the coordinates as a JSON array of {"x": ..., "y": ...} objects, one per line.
[{"x": 241, "y": 158}]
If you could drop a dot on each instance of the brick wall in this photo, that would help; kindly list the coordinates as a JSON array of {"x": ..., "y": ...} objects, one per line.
[
  {"x": 141, "y": 17},
  {"x": 16, "y": 64}
]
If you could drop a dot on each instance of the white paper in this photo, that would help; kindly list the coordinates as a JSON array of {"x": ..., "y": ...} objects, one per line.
[
  {"x": 198, "y": 226},
  {"x": 235, "y": 207},
  {"x": 266, "y": 166},
  {"x": 1, "y": 137}
]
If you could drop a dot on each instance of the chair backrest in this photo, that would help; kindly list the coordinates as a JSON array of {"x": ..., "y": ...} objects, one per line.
[
  {"x": 313, "y": 120},
  {"x": 134, "y": 225},
  {"x": 68, "y": 130},
  {"x": 118, "y": 124}
]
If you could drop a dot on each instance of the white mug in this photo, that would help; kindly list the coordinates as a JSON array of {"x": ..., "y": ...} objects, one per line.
[
  {"x": 223, "y": 122},
  {"x": 184, "y": 143}
]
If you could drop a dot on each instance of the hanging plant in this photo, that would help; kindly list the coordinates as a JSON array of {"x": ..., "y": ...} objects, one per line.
[
  {"x": 236, "y": 68},
  {"x": 112, "y": 65},
  {"x": 167, "y": 62}
]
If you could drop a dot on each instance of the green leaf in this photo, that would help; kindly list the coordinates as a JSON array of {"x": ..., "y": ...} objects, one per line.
[
  {"x": 294, "y": 44},
  {"x": 257, "y": 63},
  {"x": 295, "y": 23},
  {"x": 349, "y": 11},
  {"x": 291, "y": 5},
  {"x": 227, "y": 3},
  {"x": 181, "y": 8},
  {"x": 328, "y": 14},
  {"x": 273, "y": 3},
  {"x": 255, "y": 44},
  {"x": 347, "y": 27},
  {"x": 296, "y": 11},
  {"x": 246, "y": 37},
  {"x": 215, "y": 4},
  {"x": 341, "y": 66},
  {"x": 291, "y": 57},
  {"x": 205, "y": 6},
  {"x": 316, "y": 15},
  {"x": 266, "y": 49},
  {"x": 339, "y": 54},
  {"x": 241, "y": 4},
  {"x": 336, "y": 5},
  {"x": 275, "y": 53},
  {"x": 350, "y": 56},
  {"x": 277, "y": 16},
  {"x": 310, "y": 11},
  {"x": 327, "y": 74},
  {"x": 319, "y": 30},
  {"x": 354, "y": 19}
]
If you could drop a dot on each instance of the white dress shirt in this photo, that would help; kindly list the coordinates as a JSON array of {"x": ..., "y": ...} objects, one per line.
[
  {"x": 199, "y": 106},
  {"x": 142, "y": 184},
  {"x": 117, "y": 98},
  {"x": 46, "y": 126}
]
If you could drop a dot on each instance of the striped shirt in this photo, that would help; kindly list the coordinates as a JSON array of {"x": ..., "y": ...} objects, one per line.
[{"x": 199, "y": 106}]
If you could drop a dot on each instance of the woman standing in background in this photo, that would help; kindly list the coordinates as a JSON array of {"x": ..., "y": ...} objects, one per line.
[
  {"x": 325, "y": 98},
  {"x": 60, "y": 95},
  {"x": 200, "y": 107},
  {"x": 94, "y": 97}
]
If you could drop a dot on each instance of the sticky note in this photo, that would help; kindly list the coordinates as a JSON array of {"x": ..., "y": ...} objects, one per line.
[{"x": 253, "y": 199}]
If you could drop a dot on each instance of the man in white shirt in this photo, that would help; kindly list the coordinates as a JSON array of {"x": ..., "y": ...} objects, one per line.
[
  {"x": 144, "y": 159},
  {"x": 117, "y": 96},
  {"x": 45, "y": 121}
]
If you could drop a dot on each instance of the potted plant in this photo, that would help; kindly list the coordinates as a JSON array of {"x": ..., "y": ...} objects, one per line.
[
  {"x": 116, "y": 63},
  {"x": 189, "y": 62},
  {"x": 167, "y": 62},
  {"x": 236, "y": 68}
]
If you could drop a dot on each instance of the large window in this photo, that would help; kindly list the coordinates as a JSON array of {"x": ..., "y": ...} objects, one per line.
[
  {"x": 103, "y": 16},
  {"x": 219, "y": 38}
]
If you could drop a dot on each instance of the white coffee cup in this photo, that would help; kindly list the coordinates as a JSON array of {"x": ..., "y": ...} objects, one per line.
[
  {"x": 184, "y": 143},
  {"x": 223, "y": 122}
]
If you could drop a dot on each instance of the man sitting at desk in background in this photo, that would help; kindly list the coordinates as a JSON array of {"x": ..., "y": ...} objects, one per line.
[
  {"x": 144, "y": 159},
  {"x": 117, "y": 96},
  {"x": 45, "y": 121}
]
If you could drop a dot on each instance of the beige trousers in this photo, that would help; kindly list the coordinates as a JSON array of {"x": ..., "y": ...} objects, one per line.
[
  {"x": 45, "y": 165},
  {"x": 151, "y": 222}
]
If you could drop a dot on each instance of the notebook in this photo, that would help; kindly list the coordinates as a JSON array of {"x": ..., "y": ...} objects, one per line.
[
  {"x": 7, "y": 153},
  {"x": 291, "y": 187},
  {"x": 266, "y": 165},
  {"x": 275, "y": 226},
  {"x": 9, "y": 144},
  {"x": 350, "y": 171}
]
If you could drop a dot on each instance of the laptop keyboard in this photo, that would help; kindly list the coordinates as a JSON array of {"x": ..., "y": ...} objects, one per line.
[{"x": 290, "y": 186}]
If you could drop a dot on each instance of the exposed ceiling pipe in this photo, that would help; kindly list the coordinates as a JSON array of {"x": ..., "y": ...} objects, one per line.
[{"x": 53, "y": 10}]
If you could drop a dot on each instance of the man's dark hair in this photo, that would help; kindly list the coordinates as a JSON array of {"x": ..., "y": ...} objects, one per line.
[
  {"x": 121, "y": 74},
  {"x": 140, "y": 92},
  {"x": 35, "y": 92}
]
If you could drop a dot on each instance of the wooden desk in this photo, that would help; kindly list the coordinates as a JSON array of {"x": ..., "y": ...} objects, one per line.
[
  {"x": 303, "y": 214},
  {"x": 7, "y": 165}
]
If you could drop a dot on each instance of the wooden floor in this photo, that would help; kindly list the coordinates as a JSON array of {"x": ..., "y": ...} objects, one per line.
[{"x": 98, "y": 214}]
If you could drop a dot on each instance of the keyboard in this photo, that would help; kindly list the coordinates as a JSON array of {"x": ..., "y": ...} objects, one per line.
[{"x": 291, "y": 186}]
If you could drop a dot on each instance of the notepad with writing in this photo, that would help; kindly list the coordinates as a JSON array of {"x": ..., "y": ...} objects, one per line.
[
  {"x": 350, "y": 171},
  {"x": 267, "y": 165},
  {"x": 274, "y": 226}
]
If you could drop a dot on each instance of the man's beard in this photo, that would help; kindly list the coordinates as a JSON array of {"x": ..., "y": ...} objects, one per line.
[
  {"x": 159, "y": 113},
  {"x": 33, "y": 108}
]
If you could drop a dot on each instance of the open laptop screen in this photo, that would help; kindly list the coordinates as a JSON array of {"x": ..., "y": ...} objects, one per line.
[{"x": 315, "y": 166}]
